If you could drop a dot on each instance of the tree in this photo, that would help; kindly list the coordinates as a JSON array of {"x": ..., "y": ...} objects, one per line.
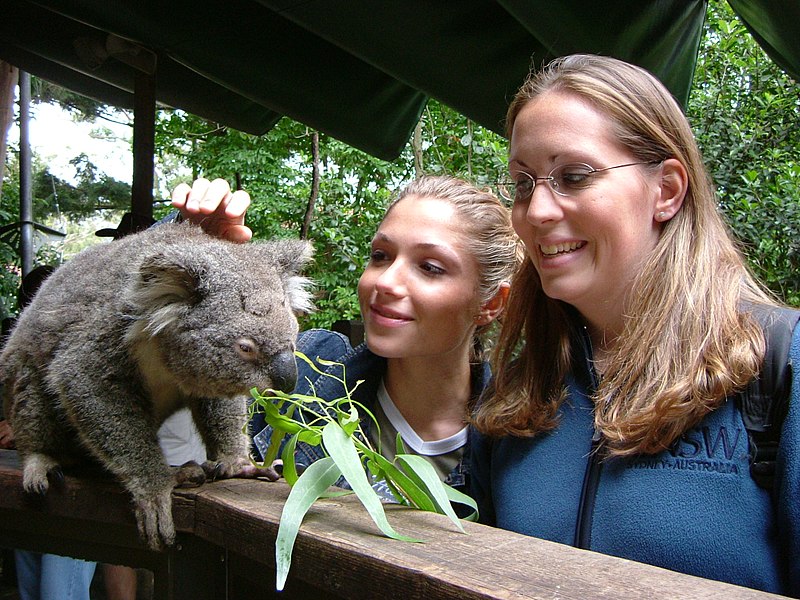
[
  {"x": 746, "y": 115},
  {"x": 53, "y": 198},
  {"x": 277, "y": 170}
]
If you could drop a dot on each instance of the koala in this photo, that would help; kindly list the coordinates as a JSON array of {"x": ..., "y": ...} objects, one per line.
[{"x": 126, "y": 333}]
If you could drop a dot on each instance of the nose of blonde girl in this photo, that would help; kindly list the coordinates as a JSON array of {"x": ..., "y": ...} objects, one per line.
[{"x": 390, "y": 280}]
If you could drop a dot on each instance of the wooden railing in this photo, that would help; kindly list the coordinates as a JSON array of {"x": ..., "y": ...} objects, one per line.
[{"x": 227, "y": 532}]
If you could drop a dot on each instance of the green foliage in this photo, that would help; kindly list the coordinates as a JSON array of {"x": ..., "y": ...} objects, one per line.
[
  {"x": 335, "y": 426},
  {"x": 93, "y": 192},
  {"x": 53, "y": 198},
  {"x": 454, "y": 145},
  {"x": 80, "y": 107},
  {"x": 746, "y": 115},
  {"x": 743, "y": 108},
  {"x": 9, "y": 280},
  {"x": 354, "y": 188}
]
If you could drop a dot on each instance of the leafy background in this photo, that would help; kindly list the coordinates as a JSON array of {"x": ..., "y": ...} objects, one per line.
[{"x": 745, "y": 112}]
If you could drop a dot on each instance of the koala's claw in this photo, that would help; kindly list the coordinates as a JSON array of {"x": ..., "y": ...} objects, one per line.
[
  {"x": 214, "y": 470},
  {"x": 228, "y": 468},
  {"x": 56, "y": 475},
  {"x": 154, "y": 520},
  {"x": 37, "y": 487},
  {"x": 189, "y": 475},
  {"x": 37, "y": 471}
]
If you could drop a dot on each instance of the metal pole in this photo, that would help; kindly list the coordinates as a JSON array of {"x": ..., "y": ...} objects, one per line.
[{"x": 25, "y": 196}]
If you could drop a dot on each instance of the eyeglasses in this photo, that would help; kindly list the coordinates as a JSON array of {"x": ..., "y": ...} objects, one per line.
[{"x": 565, "y": 180}]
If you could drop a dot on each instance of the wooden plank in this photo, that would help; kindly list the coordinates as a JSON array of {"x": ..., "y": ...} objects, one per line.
[
  {"x": 88, "y": 516},
  {"x": 86, "y": 493},
  {"x": 226, "y": 548},
  {"x": 341, "y": 551}
]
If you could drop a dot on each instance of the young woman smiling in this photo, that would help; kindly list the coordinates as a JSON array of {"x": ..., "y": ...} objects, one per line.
[{"x": 438, "y": 276}]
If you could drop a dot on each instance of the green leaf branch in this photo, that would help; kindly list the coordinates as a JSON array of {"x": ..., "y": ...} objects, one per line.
[{"x": 335, "y": 427}]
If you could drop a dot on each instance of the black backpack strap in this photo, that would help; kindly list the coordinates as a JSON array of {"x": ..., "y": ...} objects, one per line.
[{"x": 765, "y": 401}]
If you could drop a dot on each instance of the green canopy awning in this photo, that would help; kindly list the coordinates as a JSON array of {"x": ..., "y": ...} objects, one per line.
[{"x": 359, "y": 70}]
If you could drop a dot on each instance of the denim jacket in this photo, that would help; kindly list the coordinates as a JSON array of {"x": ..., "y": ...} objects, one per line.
[{"x": 360, "y": 364}]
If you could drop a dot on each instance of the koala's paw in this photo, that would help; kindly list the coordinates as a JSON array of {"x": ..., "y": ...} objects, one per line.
[
  {"x": 226, "y": 468},
  {"x": 189, "y": 475},
  {"x": 35, "y": 471},
  {"x": 154, "y": 519}
]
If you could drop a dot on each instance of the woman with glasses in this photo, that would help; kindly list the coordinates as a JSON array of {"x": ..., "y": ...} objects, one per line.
[{"x": 616, "y": 422}]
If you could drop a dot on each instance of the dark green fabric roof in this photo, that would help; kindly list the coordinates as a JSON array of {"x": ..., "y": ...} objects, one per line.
[{"x": 362, "y": 70}]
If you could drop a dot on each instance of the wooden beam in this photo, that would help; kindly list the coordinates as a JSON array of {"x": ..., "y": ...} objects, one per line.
[
  {"x": 226, "y": 548},
  {"x": 144, "y": 127}
]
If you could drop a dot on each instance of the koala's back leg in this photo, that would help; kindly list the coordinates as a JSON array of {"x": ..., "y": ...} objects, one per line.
[{"x": 41, "y": 435}]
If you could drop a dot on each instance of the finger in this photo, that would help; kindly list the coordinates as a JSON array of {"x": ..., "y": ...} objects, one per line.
[
  {"x": 237, "y": 233},
  {"x": 237, "y": 206},
  {"x": 179, "y": 195},
  {"x": 199, "y": 187},
  {"x": 217, "y": 195}
]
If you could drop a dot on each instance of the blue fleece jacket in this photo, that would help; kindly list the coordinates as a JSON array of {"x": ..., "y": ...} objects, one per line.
[{"x": 693, "y": 508}]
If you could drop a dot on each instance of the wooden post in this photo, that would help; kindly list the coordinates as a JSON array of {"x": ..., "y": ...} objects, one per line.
[
  {"x": 8, "y": 82},
  {"x": 144, "y": 127}
]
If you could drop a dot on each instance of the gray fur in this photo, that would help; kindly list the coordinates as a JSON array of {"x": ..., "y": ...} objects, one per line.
[{"x": 126, "y": 333}]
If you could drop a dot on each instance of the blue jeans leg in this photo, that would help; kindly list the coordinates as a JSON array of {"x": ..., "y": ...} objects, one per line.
[{"x": 52, "y": 577}]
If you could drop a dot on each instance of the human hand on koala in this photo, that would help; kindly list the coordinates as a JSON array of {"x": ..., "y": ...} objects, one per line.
[{"x": 213, "y": 206}]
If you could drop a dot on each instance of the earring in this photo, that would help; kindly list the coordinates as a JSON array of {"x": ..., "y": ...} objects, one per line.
[{"x": 661, "y": 215}]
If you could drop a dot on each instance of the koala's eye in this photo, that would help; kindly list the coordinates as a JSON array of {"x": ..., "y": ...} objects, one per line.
[{"x": 247, "y": 349}]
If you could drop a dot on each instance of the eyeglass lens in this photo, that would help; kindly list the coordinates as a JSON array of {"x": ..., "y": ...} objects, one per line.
[{"x": 564, "y": 180}]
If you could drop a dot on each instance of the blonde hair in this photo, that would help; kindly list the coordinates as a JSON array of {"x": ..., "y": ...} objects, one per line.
[
  {"x": 686, "y": 343},
  {"x": 490, "y": 238}
]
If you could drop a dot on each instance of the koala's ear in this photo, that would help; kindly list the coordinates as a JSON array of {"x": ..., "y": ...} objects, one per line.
[
  {"x": 161, "y": 291},
  {"x": 290, "y": 256},
  {"x": 168, "y": 279}
]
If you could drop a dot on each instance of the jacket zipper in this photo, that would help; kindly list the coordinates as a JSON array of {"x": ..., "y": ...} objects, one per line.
[
  {"x": 583, "y": 528},
  {"x": 591, "y": 479}
]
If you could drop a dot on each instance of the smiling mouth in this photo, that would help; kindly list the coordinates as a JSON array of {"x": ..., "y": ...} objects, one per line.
[
  {"x": 388, "y": 314},
  {"x": 561, "y": 248}
]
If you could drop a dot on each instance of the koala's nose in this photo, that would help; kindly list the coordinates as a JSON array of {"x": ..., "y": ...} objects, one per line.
[{"x": 283, "y": 371}]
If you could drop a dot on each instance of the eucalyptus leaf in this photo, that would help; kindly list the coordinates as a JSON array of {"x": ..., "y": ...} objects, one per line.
[
  {"x": 312, "y": 484},
  {"x": 421, "y": 469},
  {"x": 342, "y": 450},
  {"x": 289, "y": 466},
  {"x": 278, "y": 420},
  {"x": 409, "y": 488},
  {"x": 461, "y": 498},
  {"x": 312, "y": 437},
  {"x": 349, "y": 421},
  {"x": 335, "y": 427}
]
